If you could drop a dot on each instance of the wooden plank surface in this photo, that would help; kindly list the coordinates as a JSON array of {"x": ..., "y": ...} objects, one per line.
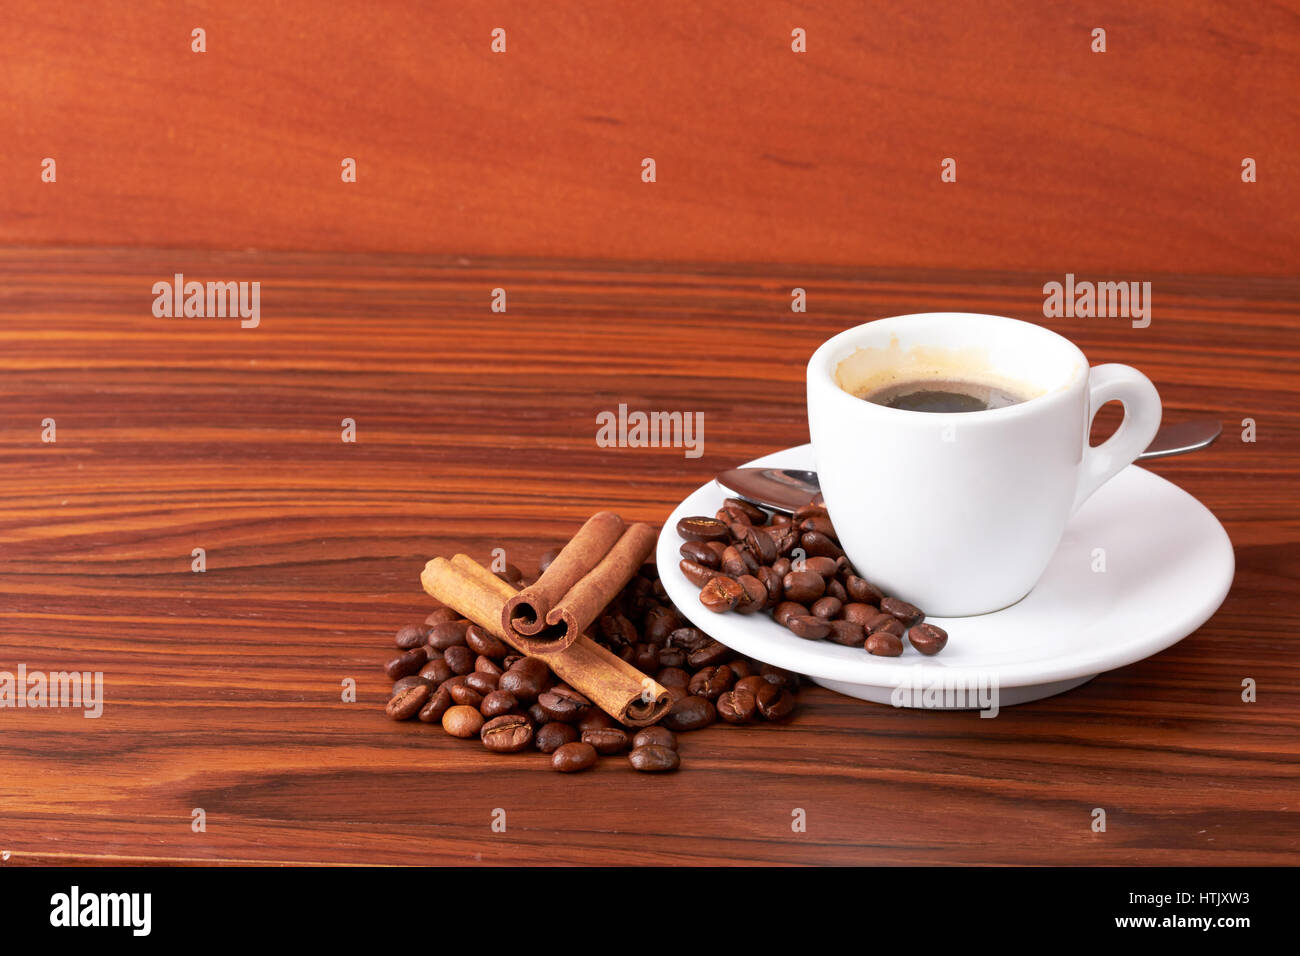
[
  {"x": 476, "y": 430},
  {"x": 1067, "y": 160}
]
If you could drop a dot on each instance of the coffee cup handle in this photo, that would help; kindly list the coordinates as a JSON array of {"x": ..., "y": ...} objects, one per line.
[{"x": 1107, "y": 383}]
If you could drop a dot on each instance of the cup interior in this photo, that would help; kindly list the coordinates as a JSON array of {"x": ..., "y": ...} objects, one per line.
[{"x": 1020, "y": 357}]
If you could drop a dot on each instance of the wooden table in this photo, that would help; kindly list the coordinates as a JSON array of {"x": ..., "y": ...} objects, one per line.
[{"x": 476, "y": 429}]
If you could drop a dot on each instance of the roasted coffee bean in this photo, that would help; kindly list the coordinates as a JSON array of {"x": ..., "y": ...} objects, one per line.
[
  {"x": 786, "y": 540},
  {"x": 462, "y": 721},
  {"x": 886, "y": 623},
  {"x": 732, "y": 517},
  {"x": 804, "y": 586},
  {"x": 459, "y": 658},
  {"x": 721, "y": 594},
  {"x": 712, "y": 682},
  {"x": 510, "y": 574},
  {"x": 835, "y": 589},
  {"x": 407, "y": 703},
  {"x": 755, "y": 514},
  {"x": 535, "y": 712},
  {"x": 772, "y": 584},
  {"x": 761, "y": 546},
  {"x": 819, "y": 524},
  {"x": 820, "y": 565},
  {"x": 805, "y": 511},
  {"x": 508, "y": 734},
  {"x": 775, "y": 706},
  {"x": 862, "y": 590},
  {"x": 782, "y": 567},
  {"x": 654, "y": 759},
  {"x": 563, "y": 704},
  {"x": 449, "y": 634},
  {"x": 859, "y": 613},
  {"x": 464, "y": 694},
  {"x": 618, "y": 630},
  {"x": 826, "y": 607},
  {"x": 406, "y": 663},
  {"x": 410, "y": 680},
  {"x": 410, "y": 636},
  {"x": 808, "y": 627},
  {"x": 688, "y": 638},
  {"x": 545, "y": 560},
  {"x": 708, "y": 655},
  {"x": 847, "y": 633},
  {"x": 927, "y": 638},
  {"x": 884, "y": 644},
  {"x": 780, "y": 677},
  {"x": 606, "y": 740},
  {"x": 751, "y": 684},
  {"x": 741, "y": 667},
  {"x": 738, "y": 560},
  {"x": 574, "y": 757},
  {"x": 660, "y": 622},
  {"x": 673, "y": 677},
  {"x": 510, "y": 661},
  {"x": 594, "y": 719},
  {"x": 498, "y": 702},
  {"x": 697, "y": 574},
  {"x": 907, "y": 614},
  {"x": 440, "y": 616},
  {"x": 485, "y": 665},
  {"x": 737, "y": 706},
  {"x": 815, "y": 543},
  {"x": 645, "y": 657},
  {"x": 690, "y": 713},
  {"x": 700, "y": 553},
  {"x": 481, "y": 642},
  {"x": 670, "y": 657},
  {"x": 655, "y": 736},
  {"x": 483, "y": 683},
  {"x": 550, "y": 737},
  {"x": 753, "y": 596},
  {"x": 439, "y": 701},
  {"x": 787, "y": 609},
  {"x": 703, "y": 529},
  {"x": 675, "y": 693}
]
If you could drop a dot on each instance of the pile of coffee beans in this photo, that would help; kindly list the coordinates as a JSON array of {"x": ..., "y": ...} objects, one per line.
[
  {"x": 745, "y": 560},
  {"x": 451, "y": 672}
]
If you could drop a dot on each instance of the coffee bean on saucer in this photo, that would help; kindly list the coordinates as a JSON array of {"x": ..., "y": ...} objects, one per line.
[
  {"x": 761, "y": 546},
  {"x": 462, "y": 721},
  {"x": 804, "y": 587},
  {"x": 609, "y": 740},
  {"x": 654, "y": 759},
  {"x": 508, "y": 734},
  {"x": 406, "y": 663},
  {"x": 815, "y": 543},
  {"x": 775, "y": 588},
  {"x": 738, "y": 560},
  {"x": 862, "y": 590},
  {"x": 755, "y": 514},
  {"x": 808, "y": 627},
  {"x": 908, "y": 614},
  {"x": 721, "y": 594},
  {"x": 836, "y": 590},
  {"x": 407, "y": 703},
  {"x": 698, "y": 574},
  {"x": 700, "y": 553},
  {"x": 753, "y": 596},
  {"x": 703, "y": 529},
  {"x": 858, "y": 613},
  {"x": 787, "y": 609},
  {"x": 884, "y": 644},
  {"x": 847, "y": 633},
  {"x": 659, "y": 736},
  {"x": 550, "y": 737},
  {"x": 826, "y": 607},
  {"x": 410, "y": 636},
  {"x": 928, "y": 638},
  {"x": 886, "y": 623},
  {"x": 820, "y": 565},
  {"x": 574, "y": 757},
  {"x": 690, "y": 713}
]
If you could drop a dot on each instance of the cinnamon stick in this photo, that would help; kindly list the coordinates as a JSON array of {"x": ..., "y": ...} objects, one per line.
[
  {"x": 609, "y": 682},
  {"x": 588, "y": 573}
]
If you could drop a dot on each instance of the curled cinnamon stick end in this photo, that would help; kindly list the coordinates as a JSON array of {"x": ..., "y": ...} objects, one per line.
[
  {"x": 612, "y": 684},
  {"x": 585, "y": 600},
  {"x": 525, "y": 614}
]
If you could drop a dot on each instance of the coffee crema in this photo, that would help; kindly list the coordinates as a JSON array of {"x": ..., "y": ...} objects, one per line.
[{"x": 941, "y": 395}]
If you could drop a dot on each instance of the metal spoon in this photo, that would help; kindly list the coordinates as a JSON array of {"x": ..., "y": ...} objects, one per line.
[{"x": 787, "y": 489}]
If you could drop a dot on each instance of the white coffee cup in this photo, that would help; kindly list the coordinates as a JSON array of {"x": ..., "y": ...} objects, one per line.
[{"x": 960, "y": 512}]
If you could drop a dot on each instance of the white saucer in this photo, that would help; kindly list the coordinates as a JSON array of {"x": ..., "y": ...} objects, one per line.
[{"x": 1168, "y": 566}]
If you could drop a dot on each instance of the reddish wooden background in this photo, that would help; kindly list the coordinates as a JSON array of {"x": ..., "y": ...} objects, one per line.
[{"x": 1127, "y": 161}]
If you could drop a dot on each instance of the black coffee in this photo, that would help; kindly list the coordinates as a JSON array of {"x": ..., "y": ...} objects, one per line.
[{"x": 942, "y": 396}]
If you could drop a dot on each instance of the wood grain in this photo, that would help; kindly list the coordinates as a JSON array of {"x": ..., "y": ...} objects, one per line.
[
  {"x": 223, "y": 688},
  {"x": 1127, "y": 161}
]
